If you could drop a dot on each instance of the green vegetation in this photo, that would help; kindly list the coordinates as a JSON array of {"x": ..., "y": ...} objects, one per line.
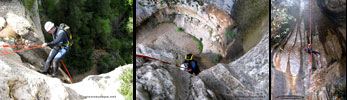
[
  {"x": 180, "y": 29},
  {"x": 95, "y": 25},
  {"x": 127, "y": 84},
  {"x": 216, "y": 58},
  {"x": 200, "y": 43},
  {"x": 108, "y": 62},
  {"x": 28, "y": 4},
  {"x": 281, "y": 21},
  {"x": 200, "y": 3},
  {"x": 230, "y": 35},
  {"x": 211, "y": 31},
  {"x": 173, "y": 14}
]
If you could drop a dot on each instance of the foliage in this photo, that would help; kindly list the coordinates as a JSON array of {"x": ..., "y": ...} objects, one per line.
[
  {"x": 216, "y": 58},
  {"x": 281, "y": 20},
  {"x": 106, "y": 63},
  {"x": 180, "y": 29},
  {"x": 28, "y": 4},
  {"x": 127, "y": 84},
  {"x": 200, "y": 3},
  {"x": 211, "y": 31},
  {"x": 229, "y": 34},
  {"x": 199, "y": 43}
]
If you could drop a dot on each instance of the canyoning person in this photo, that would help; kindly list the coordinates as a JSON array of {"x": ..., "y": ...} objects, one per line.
[
  {"x": 190, "y": 65},
  {"x": 308, "y": 50},
  {"x": 61, "y": 42}
]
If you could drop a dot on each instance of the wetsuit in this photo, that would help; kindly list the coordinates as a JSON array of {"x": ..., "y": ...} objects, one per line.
[
  {"x": 192, "y": 66},
  {"x": 308, "y": 50},
  {"x": 59, "y": 38}
]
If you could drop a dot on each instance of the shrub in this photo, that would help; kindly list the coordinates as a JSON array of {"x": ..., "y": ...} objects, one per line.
[
  {"x": 200, "y": 3},
  {"x": 216, "y": 58},
  {"x": 199, "y": 43},
  {"x": 106, "y": 63},
  {"x": 230, "y": 35},
  {"x": 127, "y": 84},
  {"x": 180, "y": 29},
  {"x": 28, "y": 4}
]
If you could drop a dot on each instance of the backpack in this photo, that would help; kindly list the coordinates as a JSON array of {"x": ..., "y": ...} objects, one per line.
[{"x": 66, "y": 29}]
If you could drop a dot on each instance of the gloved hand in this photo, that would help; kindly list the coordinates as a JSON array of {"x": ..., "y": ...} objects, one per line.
[{"x": 182, "y": 67}]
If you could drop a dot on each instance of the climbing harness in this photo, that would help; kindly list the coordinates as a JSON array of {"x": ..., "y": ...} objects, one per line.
[
  {"x": 32, "y": 47},
  {"x": 143, "y": 56},
  {"x": 311, "y": 54},
  {"x": 66, "y": 29}
]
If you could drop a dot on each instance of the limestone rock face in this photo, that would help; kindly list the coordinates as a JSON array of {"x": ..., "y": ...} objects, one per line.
[
  {"x": 165, "y": 54},
  {"x": 156, "y": 80},
  {"x": 22, "y": 27},
  {"x": 246, "y": 76},
  {"x": 199, "y": 19},
  {"x": 322, "y": 78},
  {"x": 19, "y": 82}
]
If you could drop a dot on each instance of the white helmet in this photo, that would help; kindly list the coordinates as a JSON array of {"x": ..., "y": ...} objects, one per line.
[{"x": 49, "y": 25}]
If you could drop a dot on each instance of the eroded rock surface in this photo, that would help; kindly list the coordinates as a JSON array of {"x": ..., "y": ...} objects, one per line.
[{"x": 292, "y": 65}]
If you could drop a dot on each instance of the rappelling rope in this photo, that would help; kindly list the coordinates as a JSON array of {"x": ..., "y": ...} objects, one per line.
[
  {"x": 66, "y": 70},
  {"x": 309, "y": 86},
  {"x": 6, "y": 52},
  {"x": 143, "y": 56}
]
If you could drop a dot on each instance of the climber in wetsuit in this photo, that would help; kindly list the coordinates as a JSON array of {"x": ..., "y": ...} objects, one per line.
[
  {"x": 308, "y": 50},
  {"x": 59, "y": 42},
  {"x": 191, "y": 65}
]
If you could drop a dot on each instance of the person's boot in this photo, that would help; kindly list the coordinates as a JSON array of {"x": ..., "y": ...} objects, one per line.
[
  {"x": 44, "y": 73},
  {"x": 55, "y": 71}
]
